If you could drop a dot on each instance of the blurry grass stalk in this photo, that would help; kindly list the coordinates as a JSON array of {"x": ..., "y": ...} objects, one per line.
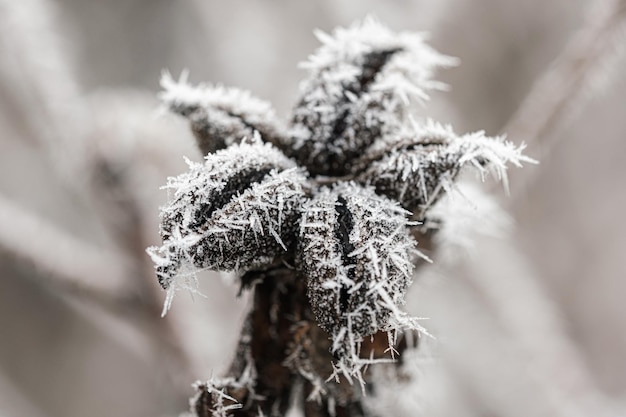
[
  {"x": 585, "y": 66},
  {"x": 39, "y": 81},
  {"x": 43, "y": 90},
  {"x": 518, "y": 301},
  {"x": 74, "y": 265},
  {"x": 37, "y": 78}
]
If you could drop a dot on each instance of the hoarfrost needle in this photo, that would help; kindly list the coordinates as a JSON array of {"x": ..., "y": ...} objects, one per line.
[{"x": 319, "y": 215}]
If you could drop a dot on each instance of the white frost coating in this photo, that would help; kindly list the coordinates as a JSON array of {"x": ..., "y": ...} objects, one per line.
[
  {"x": 361, "y": 81},
  {"x": 409, "y": 73},
  {"x": 208, "y": 225},
  {"x": 218, "y": 167},
  {"x": 248, "y": 205},
  {"x": 185, "y": 280},
  {"x": 223, "y": 403},
  {"x": 221, "y": 116},
  {"x": 182, "y": 95},
  {"x": 416, "y": 165},
  {"x": 357, "y": 293}
]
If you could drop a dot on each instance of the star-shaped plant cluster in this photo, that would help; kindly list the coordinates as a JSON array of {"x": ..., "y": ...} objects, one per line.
[{"x": 320, "y": 215}]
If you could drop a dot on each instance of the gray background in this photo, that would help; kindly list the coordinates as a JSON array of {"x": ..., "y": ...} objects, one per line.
[{"x": 58, "y": 358}]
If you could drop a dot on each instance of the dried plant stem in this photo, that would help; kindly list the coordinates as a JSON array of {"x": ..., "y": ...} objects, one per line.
[
  {"x": 262, "y": 376},
  {"x": 570, "y": 80},
  {"x": 283, "y": 353}
]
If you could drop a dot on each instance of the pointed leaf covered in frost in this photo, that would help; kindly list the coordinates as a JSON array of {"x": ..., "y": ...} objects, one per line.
[
  {"x": 356, "y": 253},
  {"x": 417, "y": 165},
  {"x": 220, "y": 116},
  {"x": 360, "y": 83},
  {"x": 236, "y": 211}
]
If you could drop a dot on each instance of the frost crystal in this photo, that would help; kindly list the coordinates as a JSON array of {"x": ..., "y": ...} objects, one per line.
[
  {"x": 220, "y": 116},
  {"x": 317, "y": 214},
  {"x": 235, "y": 211},
  {"x": 415, "y": 166},
  {"x": 355, "y": 251},
  {"x": 360, "y": 82},
  {"x": 351, "y": 241}
]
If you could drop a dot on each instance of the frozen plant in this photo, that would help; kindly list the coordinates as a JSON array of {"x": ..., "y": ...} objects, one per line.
[{"x": 321, "y": 218}]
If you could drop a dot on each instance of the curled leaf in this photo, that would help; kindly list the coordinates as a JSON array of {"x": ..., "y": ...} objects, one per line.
[
  {"x": 416, "y": 166},
  {"x": 220, "y": 116},
  {"x": 359, "y": 86},
  {"x": 236, "y": 211},
  {"x": 356, "y": 253}
]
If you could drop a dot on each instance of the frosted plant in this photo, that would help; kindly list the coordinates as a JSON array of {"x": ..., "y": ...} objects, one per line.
[
  {"x": 321, "y": 218},
  {"x": 237, "y": 211}
]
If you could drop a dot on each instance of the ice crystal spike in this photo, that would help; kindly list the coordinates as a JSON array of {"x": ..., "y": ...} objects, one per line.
[
  {"x": 359, "y": 85},
  {"x": 417, "y": 165},
  {"x": 220, "y": 116},
  {"x": 338, "y": 239},
  {"x": 235, "y": 211},
  {"x": 211, "y": 399},
  {"x": 356, "y": 252}
]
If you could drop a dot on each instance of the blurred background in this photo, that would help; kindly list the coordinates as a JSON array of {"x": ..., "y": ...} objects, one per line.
[{"x": 531, "y": 324}]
